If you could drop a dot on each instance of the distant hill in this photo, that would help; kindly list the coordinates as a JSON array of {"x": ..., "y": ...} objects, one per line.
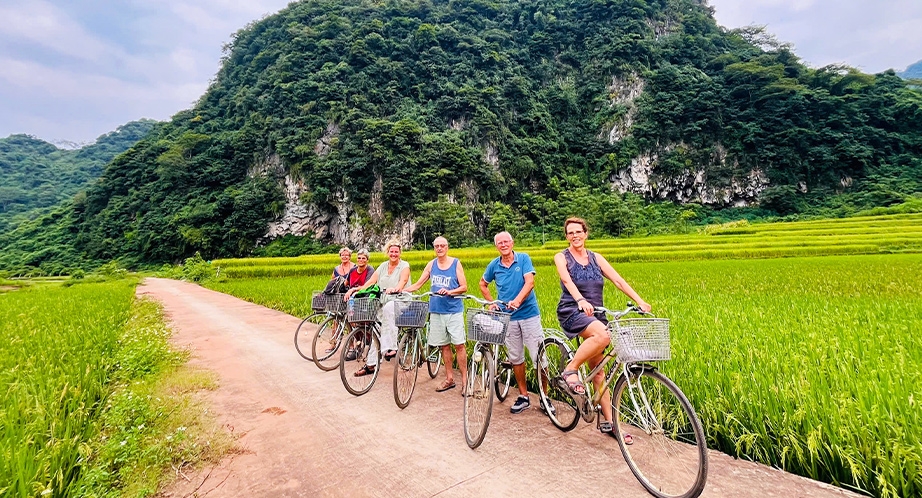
[
  {"x": 35, "y": 174},
  {"x": 914, "y": 71}
]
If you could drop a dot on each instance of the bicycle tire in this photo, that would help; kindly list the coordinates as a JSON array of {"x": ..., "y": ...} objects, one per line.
[
  {"x": 361, "y": 339},
  {"x": 669, "y": 452},
  {"x": 478, "y": 398},
  {"x": 554, "y": 355},
  {"x": 505, "y": 376},
  {"x": 406, "y": 368},
  {"x": 327, "y": 343},
  {"x": 304, "y": 338},
  {"x": 433, "y": 360}
]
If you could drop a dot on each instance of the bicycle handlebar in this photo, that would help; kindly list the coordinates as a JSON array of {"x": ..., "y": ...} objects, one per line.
[
  {"x": 483, "y": 302},
  {"x": 617, "y": 315}
]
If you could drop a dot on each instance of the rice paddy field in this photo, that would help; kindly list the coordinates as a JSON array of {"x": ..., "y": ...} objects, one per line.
[
  {"x": 57, "y": 354},
  {"x": 798, "y": 343}
]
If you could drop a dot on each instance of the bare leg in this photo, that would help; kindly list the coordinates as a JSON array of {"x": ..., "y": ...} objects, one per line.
[
  {"x": 462, "y": 362},
  {"x": 519, "y": 371},
  {"x": 446, "y": 358},
  {"x": 595, "y": 340}
]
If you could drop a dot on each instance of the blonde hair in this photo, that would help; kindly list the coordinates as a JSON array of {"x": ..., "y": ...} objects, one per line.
[
  {"x": 346, "y": 250},
  {"x": 393, "y": 243}
]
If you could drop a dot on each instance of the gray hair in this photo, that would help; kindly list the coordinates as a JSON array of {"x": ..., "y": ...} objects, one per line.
[
  {"x": 502, "y": 233},
  {"x": 361, "y": 252}
]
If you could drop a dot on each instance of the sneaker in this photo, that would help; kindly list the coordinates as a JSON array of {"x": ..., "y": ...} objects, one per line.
[
  {"x": 521, "y": 403},
  {"x": 549, "y": 409}
]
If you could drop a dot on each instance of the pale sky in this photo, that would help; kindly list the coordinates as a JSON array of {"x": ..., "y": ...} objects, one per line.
[{"x": 76, "y": 69}]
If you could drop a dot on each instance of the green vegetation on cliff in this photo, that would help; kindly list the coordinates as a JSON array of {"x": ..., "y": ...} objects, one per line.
[{"x": 495, "y": 113}]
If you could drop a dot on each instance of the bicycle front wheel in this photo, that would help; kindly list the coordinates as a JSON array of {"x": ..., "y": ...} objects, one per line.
[
  {"x": 668, "y": 454},
  {"x": 407, "y": 368},
  {"x": 305, "y": 333},
  {"x": 505, "y": 377},
  {"x": 478, "y": 397},
  {"x": 357, "y": 375},
  {"x": 326, "y": 344},
  {"x": 558, "y": 405}
]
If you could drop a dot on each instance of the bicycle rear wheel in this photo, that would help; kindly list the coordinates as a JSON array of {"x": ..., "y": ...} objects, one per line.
[
  {"x": 362, "y": 340},
  {"x": 327, "y": 343},
  {"x": 433, "y": 360},
  {"x": 305, "y": 333},
  {"x": 505, "y": 377},
  {"x": 560, "y": 407},
  {"x": 407, "y": 368},
  {"x": 669, "y": 453},
  {"x": 478, "y": 398}
]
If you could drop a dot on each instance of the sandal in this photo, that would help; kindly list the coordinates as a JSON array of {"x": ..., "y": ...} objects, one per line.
[
  {"x": 444, "y": 387},
  {"x": 605, "y": 427},
  {"x": 574, "y": 387},
  {"x": 390, "y": 354},
  {"x": 365, "y": 370}
]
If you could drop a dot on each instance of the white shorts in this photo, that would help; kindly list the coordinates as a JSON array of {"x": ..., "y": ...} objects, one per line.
[
  {"x": 521, "y": 334},
  {"x": 446, "y": 329}
]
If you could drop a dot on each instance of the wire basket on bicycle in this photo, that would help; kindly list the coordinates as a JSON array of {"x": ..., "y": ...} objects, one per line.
[
  {"x": 640, "y": 339},
  {"x": 363, "y": 309},
  {"x": 487, "y": 326},
  {"x": 333, "y": 303},
  {"x": 411, "y": 314}
]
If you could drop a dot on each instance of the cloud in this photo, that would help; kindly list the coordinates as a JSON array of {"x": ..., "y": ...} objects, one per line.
[
  {"x": 872, "y": 36},
  {"x": 76, "y": 70}
]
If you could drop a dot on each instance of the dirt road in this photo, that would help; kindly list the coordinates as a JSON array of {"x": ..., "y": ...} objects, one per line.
[{"x": 304, "y": 435}]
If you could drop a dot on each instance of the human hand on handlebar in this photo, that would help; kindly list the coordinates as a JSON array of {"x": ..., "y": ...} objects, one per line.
[{"x": 586, "y": 307}]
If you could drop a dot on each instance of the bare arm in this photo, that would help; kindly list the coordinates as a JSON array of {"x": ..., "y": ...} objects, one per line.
[
  {"x": 404, "y": 278},
  {"x": 485, "y": 289},
  {"x": 621, "y": 283},
  {"x": 422, "y": 279},
  {"x": 462, "y": 281}
]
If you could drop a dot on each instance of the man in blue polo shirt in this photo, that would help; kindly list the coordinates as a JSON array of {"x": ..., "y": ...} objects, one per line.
[{"x": 514, "y": 275}]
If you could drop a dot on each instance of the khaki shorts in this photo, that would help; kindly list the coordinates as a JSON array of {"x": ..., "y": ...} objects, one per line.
[
  {"x": 521, "y": 334},
  {"x": 446, "y": 329}
]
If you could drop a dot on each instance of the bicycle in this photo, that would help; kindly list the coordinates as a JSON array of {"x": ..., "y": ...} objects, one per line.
[
  {"x": 329, "y": 338},
  {"x": 364, "y": 338},
  {"x": 667, "y": 452},
  {"x": 487, "y": 328},
  {"x": 410, "y": 317},
  {"x": 322, "y": 309}
]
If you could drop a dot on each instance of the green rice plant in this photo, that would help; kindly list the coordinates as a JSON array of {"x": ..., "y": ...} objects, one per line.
[{"x": 86, "y": 413}]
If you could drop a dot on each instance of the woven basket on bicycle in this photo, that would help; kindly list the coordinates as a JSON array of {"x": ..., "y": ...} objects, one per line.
[
  {"x": 411, "y": 314},
  {"x": 333, "y": 303},
  {"x": 487, "y": 326},
  {"x": 364, "y": 309},
  {"x": 640, "y": 339}
]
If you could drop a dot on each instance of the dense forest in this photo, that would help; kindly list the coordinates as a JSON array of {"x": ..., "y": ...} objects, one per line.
[
  {"x": 464, "y": 116},
  {"x": 36, "y": 174}
]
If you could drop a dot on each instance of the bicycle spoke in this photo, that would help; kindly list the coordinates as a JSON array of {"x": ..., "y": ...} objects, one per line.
[
  {"x": 668, "y": 454},
  {"x": 553, "y": 356},
  {"x": 478, "y": 399}
]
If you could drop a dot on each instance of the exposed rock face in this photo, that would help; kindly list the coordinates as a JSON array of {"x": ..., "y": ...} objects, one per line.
[
  {"x": 689, "y": 186},
  {"x": 623, "y": 91},
  {"x": 342, "y": 226},
  {"x": 325, "y": 143}
]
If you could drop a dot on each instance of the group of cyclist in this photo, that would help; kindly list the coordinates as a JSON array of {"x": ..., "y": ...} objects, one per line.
[{"x": 581, "y": 272}]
